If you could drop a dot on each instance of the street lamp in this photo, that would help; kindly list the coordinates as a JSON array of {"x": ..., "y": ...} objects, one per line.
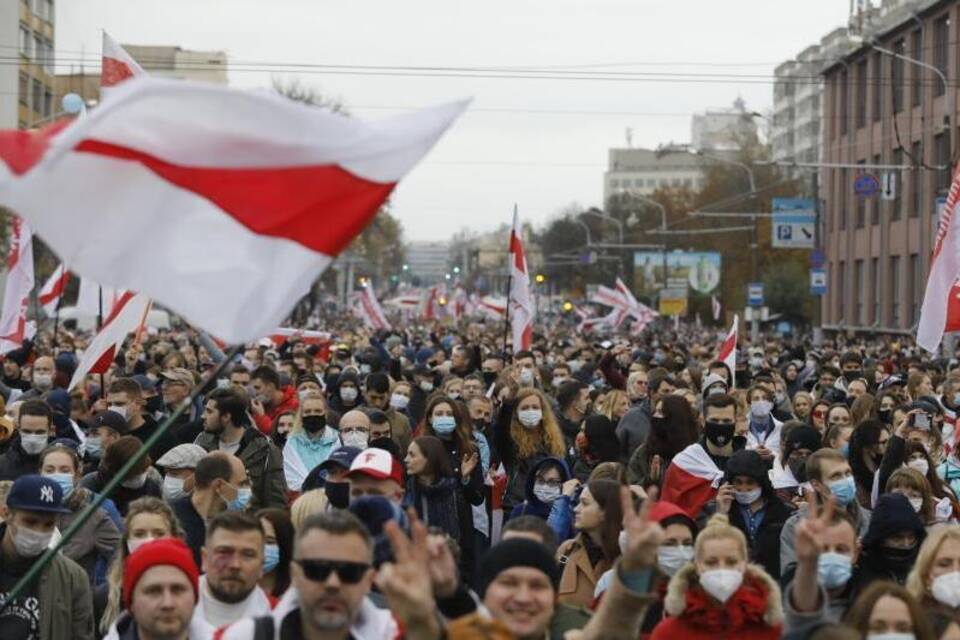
[{"x": 600, "y": 214}]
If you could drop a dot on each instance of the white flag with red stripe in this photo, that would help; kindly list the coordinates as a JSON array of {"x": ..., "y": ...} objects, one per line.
[
  {"x": 52, "y": 291},
  {"x": 728, "y": 351},
  {"x": 116, "y": 64},
  {"x": 521, "y": 302},
  {"x": 128, "y": 315},
  {"x": 219, "y": 202},
  {"x": 281, "y": 335},
  {"x": 938, "y": 299},
  {"x": 367, "y": 307},
  {"x": 14, "y": 328},
  {"x": 691, "y": 480},
  {"x": 493, "y": 307}
]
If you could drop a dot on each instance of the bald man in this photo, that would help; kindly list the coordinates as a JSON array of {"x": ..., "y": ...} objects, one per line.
[{"x": 355, "y": 429}]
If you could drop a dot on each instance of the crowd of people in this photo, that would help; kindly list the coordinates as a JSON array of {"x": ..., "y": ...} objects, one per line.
[{"x": 431, "y": 482}]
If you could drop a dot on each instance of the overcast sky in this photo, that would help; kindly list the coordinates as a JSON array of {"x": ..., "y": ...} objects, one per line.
[{"x": 537, "y": 142}]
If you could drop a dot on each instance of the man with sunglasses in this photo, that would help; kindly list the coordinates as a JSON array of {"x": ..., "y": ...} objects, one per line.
[{"x": 332, "y": 573}]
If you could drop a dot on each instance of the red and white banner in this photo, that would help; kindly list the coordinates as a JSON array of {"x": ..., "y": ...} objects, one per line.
[
  {"x": 52, "y": 292},
  {"x": 245, "y": 197},
  {"x": 691, "y": 480},
  {"x": 281, "y": 335},
  {"x": 941, "y": 301},
  {"x": 625, "y": 305},
  {"x": 128, "y": 316},
  {"x": 116, "y": 64},
  {"x": 493, "y": 307},
  {"x": 367, "y": 308},
  {"x": 14, "y": 328},
  {"x": 728, "y": 351},
  {"x": 521, "y": 302}
]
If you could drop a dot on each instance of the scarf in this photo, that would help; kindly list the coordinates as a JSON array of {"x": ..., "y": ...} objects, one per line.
[{"x": 436, "y": 504}]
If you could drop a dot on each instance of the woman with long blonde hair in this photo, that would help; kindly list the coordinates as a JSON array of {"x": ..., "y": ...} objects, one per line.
[
  {"x": 310, "y": 441},
  {"x": 935, "y": 578},
  {"x": 614, "y": 405}
]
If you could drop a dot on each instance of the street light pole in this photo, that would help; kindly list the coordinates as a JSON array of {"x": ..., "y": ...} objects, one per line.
[{"x": 663, "y": 229}]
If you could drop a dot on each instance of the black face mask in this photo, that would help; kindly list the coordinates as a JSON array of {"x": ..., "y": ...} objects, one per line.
[
  {"x": 659, "y": 425},
  {"x": 155, "y": 405},
  {"x": 489, "y": 377},
  {"x": 719, "y": 433},
  {"x": 338, "y": 493},
  {"x": 798, "y": 466},
  {"x": 885, "y": 416},
  {"x": 480, "y": 425},
  {"x": 312, "y": 424},
  {"x": 898, "y": 560},
  {"x": 853, "y": 374}
]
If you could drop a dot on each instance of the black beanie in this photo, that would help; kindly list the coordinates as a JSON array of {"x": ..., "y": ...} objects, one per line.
[
  {"x": 516, "y": 552},
  {"x": 748, "y": 463},
  {"x": 801, "y": 437}
]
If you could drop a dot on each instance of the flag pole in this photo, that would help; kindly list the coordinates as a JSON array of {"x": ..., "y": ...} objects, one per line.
[
  {"x": 56, "y": 316},
  {"x": 103, "y": 392},
  {"x": 506, "y": 324}
]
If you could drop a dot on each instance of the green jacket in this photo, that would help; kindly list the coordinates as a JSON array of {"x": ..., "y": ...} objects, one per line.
[{"x": 263, "y": 462}]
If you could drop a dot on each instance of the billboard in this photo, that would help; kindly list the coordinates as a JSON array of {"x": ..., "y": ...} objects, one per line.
[{"x": 698, "y": 271}]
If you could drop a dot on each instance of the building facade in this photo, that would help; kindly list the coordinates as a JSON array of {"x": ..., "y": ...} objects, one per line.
[
  {"x": 722, "y": 129},
  {"x": 881, "y": 110},
  {"x": 27, "y": 77},
  {"x": 428, "y": 261},
  {"x": 643, "y": 171}
]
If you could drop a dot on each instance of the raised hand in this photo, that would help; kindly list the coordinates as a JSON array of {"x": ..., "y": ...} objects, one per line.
[
  {"x": 656, "y": 468},
  {"x": 468, "y": 464},
  {"x": 443, "y": 568},
  {"x": 725, "y": 499},
  {"x": 570, "y": 487},
  {"x": 810, "y": 531},
  {"x": 643, "y": 535},
  {"x": 408, "y": 588}
]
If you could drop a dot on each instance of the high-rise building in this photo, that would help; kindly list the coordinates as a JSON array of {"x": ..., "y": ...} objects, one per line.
[
  {"x": 26, "y": 43},
  {"x": 428, "y": 261},
  {"x": 722, "y": 129}
]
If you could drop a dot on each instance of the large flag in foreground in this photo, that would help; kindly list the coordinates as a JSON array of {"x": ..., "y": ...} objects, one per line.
[
  {"x": 16, "y": 295},
  {"x": 223, "y": 205},
  {"x": 521, "y": 302},
  {"x": 942, "y": 291}
]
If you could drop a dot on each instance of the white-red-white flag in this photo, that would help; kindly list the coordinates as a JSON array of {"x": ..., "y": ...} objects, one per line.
[
  {"x": 942, "y": 295},
  {"x": 52, "y": 291},
  {"x": 281, "y": 335},
  {"x": 14, "y": 328},
  {"x": 367, "y": 308},
  {"x": 127, "y": 316},
  {"x": 715, "y": 302},
  {"x": 521, "y": 302},
  {"x": 116, "y": 64},
  {"x": 691, "y": 480},
  {"x": 256, "y": 194},
  {"x": 493, "y": 307},
  {"x": 728, "y": 351}
]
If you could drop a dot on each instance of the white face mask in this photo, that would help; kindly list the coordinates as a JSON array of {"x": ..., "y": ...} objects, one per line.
[
  {"x": 33, "y": 443},
  {"x": 30, "y": 543},
  {"x": 747, "y": 497},
  {"x": 134, "y": 544},
  {"x": 721, "y": 583},
  {"x": 545, "y": 493},
  {"x": 173, "y": 488},
  {"x": 398, "y": 401},
  {"x": 43, "y": 381},
  {"x": 348, "y": 394},
  {"x": 920, "y": 465},
  {"x": 354, "y": 439},
  {"x": 119, "y": 409},
  {"x": 761, "y": 408},
  {"x": 916, "y": 503},
  {"x": 671, "y": 559},
  {"x": 946, "y": 589},
  {"x": 530, "y": 418},
  {"x": 135, "y": 482},
  {"x": 891, "y": 636},
  {"x": 426, "y": 386},
  {"x": 526, "y": 376}
]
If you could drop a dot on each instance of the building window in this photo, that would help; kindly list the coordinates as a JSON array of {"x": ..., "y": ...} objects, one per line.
[
  {"x": 895, "y": 291},
  {"x": 676, "y": 182},
  {"x": 843, "y": 103},
  {"x": 638, "y": 183},
  {"x": 859, "y": 291},
  {"x": 875, "y": 202},
  {"x": 916, "y": 150},
  {"x": 896, "y": 75},
  {"x": 897, "y": 212},
  {"x": 861, "y": 93},
  {"x": 37, "y": 98},
  {"x": 47, "y": 103},
  {"x": 651, "y": 183},
  {"x": 23, "y": 90},
  {"x": 688, "y": 183},
  {"x": 875, "y": 274},
  {"x": 916, "y": 52},
  {"x": 941, "y": 43},
  {"x": 941, "y": 145},
  {"x": 26, "y": 42},
  {"x": 916, "y": 285},
  {"x": 48, "y": 56},
  {"x": 614, "y": 183}
]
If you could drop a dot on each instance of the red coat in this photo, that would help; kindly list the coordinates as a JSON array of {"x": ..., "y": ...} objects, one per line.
[
  {"x": 288, "y": 404},
  {"x": 754, "y": 612}
]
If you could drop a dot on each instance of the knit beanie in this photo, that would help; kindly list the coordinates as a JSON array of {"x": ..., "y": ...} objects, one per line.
[
  {"x": 516, "y": 552},
  {"x": 165, "y": 551},
  {"x": 801, "y": 437},
  {"x": 375, "y": 512}
]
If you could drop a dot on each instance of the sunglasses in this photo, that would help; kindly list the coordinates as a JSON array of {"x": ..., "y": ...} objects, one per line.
[{"x": 320, "y": 570}]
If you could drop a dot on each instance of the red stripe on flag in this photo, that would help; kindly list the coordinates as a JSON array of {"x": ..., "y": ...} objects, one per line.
[
  {"x": 21, "y": 150},
  {"x": 56, "y": 290},
  {"x": 102, "y": 365},
  {"x": 113, "y": 71},
  {"x": 321, "y": 207}
]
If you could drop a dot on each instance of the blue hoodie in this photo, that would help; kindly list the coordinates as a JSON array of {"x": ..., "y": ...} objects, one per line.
[{"x": 532, "y": 506}]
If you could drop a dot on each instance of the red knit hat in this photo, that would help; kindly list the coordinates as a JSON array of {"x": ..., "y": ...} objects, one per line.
[{"x": 165, "y": 551}]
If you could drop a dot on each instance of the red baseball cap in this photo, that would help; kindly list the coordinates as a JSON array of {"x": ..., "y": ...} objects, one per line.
[{"x": 378, "y": 464}]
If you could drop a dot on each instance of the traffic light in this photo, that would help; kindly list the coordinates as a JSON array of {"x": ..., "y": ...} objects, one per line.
[{"x": 540, "y": 278}]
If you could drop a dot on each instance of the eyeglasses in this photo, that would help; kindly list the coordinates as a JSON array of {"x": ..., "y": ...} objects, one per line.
[{"x": 320, "y": 570}]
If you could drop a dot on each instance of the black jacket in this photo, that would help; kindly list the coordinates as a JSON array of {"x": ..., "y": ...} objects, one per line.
[
  {"x": 765, "y": 547},
  {"x": 121, "y": 496},
  {"x": 16, "y": 462}
]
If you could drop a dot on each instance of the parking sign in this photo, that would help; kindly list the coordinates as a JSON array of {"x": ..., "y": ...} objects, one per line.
[{"x": 794, "y": 223}]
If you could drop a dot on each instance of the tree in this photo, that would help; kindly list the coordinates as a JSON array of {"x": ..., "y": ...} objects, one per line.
[{"x": 786, "y": 291}]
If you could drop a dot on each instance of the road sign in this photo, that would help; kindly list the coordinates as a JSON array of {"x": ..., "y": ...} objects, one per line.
[
  {"x": 817, "y": 258},
  {"x": 866, "y": 185},
  {"x": 794, "y": 223},
  {"x": 888, "y": 186},
  {"x": 673, "y": 302},
  {"x": 755, "y": 294},
  {"x": 818, "y": 282}
]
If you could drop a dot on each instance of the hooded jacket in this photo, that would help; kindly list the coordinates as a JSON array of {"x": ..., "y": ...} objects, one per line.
[
  {"x": 532, "y": 506},
  {"x": 263, "y": 462},
  {"x": 287, "y": 404},
  {"x": 333, "y": 394},
  {"x": 753, "y": 612},
  {"x": 634, "y": 427},
  {"x": 892, "y": 515}
]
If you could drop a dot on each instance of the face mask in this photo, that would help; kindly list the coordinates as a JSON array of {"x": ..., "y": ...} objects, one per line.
[
  {"x": 338, "y": 494},
  {"x": 155, "y": 405},
  {"x": 172, "y": 488},
  {"x": 135, "y": 482},
  {"x": 43, "y": 381},
  {"x": 834, "y": 569},
  {"x": 779, "y": 397},
  {"x": 946, "y": 589},
  {"x": 443, "y": 425},
  {"x": 844, "y": 490},
  {"x": 118, "y": 409},
  {"x": 399, "y": 402},
  {"x": 348, "y": 394},
  {"x": 671, "y": 559},
  {"x": 761, "y": 408},
  {"x": 30, "y": 543},
  {"x": 891, "y": 636},
  {"x": 920, "y": 465},
  {"x": 916, "y": 503},
  {"x": 659, "y": 425},
  {"x": 93, "y": 447},
  {"x": 947, "y": 431},
  {"x": 530, "y": 418},
  {"x": 65, "y": 480},
  {"x": 756, "y": 362},
  {"x": 845, "y": 450},
  {"x": 747, "y": 497},
  {"x": 721, "y": 583},
  {"x": 719, "y": 433},
  {"x": 574, "y": 365},
  {"x": 241, "y": 501},
  {"x": 312, "y": 424},
  {"x": 134, "y": 544},
  {"x": 271, "y": 557},
  {"x": 884, "y": 415},
  {"x": 489, "y": 377},
  {"x": 302, "y": 394},
  {"x": 545, "y": 493},
  {"x": 426, "y": 386},
  {"x": 853, "y": 374},
  {"x": 798, "y": 467},
  {"x": 33, "y": 444},
  {"x": 526, "y": 376},
  {"x": 365, "y": 369},
  {"x": 956, "y": 398},
  {"x": 557, "y": 381},
  {"x": 356, "y": 439}
]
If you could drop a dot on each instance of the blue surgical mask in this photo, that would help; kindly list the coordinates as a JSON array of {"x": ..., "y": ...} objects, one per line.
[
  {"x": 241, "y": 501},
  {"x": 845, "y": 450},
  {"x": 65, "y": 480},
  {"x": 844, "y": 490},
  {"x": 834, "y": 569},
  {"x": 443, "y": 425},
  {"x": 93, "y": 447},
  {"x": 271, "y": 557}
]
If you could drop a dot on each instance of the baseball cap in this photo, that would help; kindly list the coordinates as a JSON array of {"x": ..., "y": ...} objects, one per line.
[
  {"x": 182, "y": 456},
  {"x": 36, "y": 493},
  {"x": 179, "y": 375},
  {"x": 111, "y": 420},
  {"x": 378, "y": 464},
  {"x": 144, "y": 381},
  {"x": 342, "y": 457}
]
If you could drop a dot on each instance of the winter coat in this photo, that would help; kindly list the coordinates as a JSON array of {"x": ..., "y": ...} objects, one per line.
[
  {"x": 16, "y": 462},
  {"x": 579, "y": 578},
  {"x": 532, "y": 506},
  {"x": 788, "y": 535},
  {"x": 66, "y": 605},
  {"x": 634, "y": 428},
  {"x": 400, "y": 429},
  {"x": 288, "y": 404},
  {"x": 765, "y": 548},
  {"x": 333, "y": 393},
  {"x": 97, "y": 539},
  {"x": 753, "y": 612},
  {"x": 436, "y": 504},
  {"x": 264, "y": 464}
]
